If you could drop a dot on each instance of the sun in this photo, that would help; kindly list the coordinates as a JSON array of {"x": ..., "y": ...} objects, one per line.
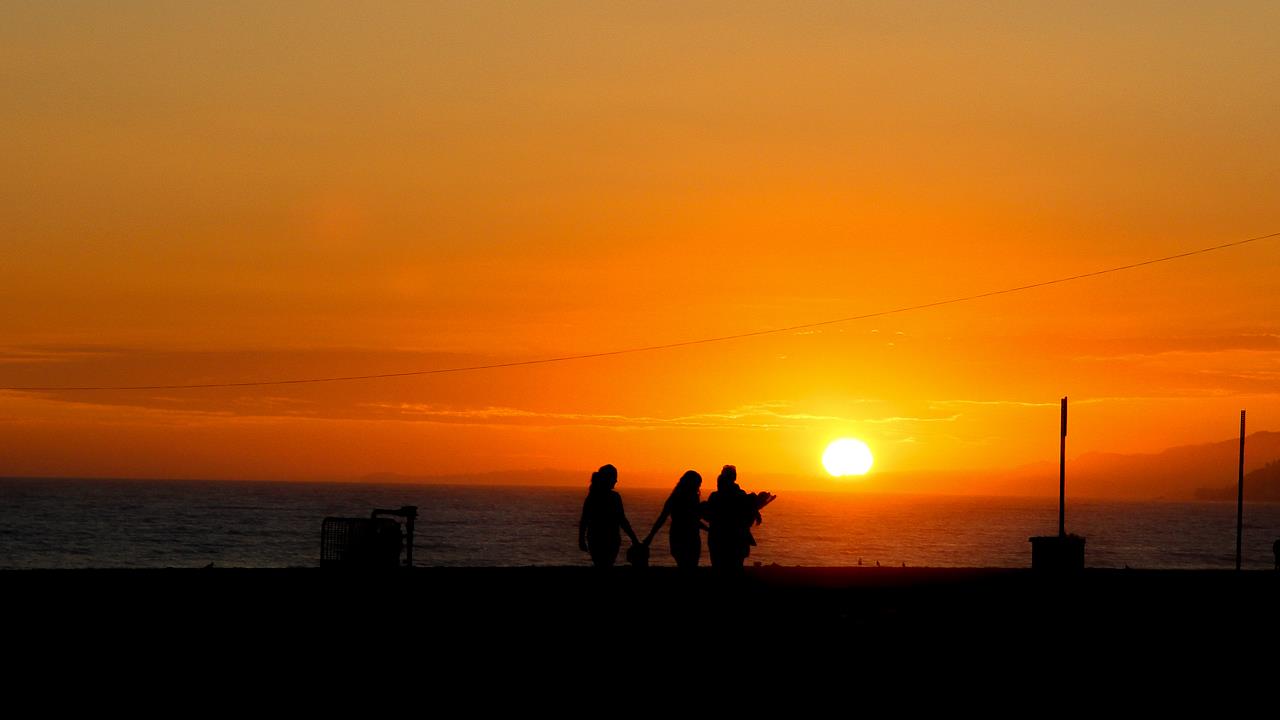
[{"x": 847, "y": 456}]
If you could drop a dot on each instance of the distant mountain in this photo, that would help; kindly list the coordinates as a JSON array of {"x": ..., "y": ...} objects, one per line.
[
  {"x": 544, "y": 476},
  {"x": 541, "y": 477},
  {"x": 1179, "y": 473},
  {"x": 1261, "y": 485}
]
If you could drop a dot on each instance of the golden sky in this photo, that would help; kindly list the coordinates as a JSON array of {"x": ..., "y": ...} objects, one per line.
[{"x": 232, "y": 192}]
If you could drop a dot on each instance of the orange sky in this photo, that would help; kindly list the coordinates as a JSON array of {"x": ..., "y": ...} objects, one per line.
[{"x": 196, "y": 194}]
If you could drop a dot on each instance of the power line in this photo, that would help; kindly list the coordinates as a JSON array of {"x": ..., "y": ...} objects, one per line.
[{"x": 665, "y": 346}]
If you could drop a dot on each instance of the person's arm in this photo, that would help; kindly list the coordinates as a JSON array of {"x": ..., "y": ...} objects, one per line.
[
  {"x": 666, "y": 511},
  {"x": 626, "y": 526},
  {"x": 582, "y": 528},
  {"x": 761, "y": 499}
]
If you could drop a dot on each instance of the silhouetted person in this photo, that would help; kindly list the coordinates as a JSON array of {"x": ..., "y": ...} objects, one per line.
[
  {"x": 684, "y": 509},
  {"x": 731, "y": 512},
  {"x": 603, "y": 518}
]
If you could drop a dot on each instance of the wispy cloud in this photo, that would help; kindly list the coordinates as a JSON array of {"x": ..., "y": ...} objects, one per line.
[
  {"x": 39, "y": 354},
  {"x": 997, "y": 403},
  {"x": 173, "y": 408},
  {"x": 760, "y": 416},
  {"x": 498, "y": 415},
  {"x": 779, "y": 411},
  {"x": 1135, "y": 348},
  {"x": 1030, "y": 404},
  {"x": 1178, "y": 395},
  {"x": 911, "y": 419}
]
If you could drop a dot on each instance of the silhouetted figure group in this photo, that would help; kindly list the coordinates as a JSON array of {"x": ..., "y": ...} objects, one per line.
[{"x": 727, "y": 516}]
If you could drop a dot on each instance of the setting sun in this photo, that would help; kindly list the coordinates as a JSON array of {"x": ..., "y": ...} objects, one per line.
[{"x": 847, "y": 456}]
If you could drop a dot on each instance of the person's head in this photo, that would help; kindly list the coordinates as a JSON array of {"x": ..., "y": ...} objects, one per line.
[
  {"x": 604, "y": 478},
  {"x": 690, "y": 483},
  {"x": 728, "y": 477}
]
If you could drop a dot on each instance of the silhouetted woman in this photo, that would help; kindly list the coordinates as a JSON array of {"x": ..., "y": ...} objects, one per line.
[
  {"x": 731, "y": 512},
  {"x": 684, "y": 509},
  {"x": 602, "y": 518}
]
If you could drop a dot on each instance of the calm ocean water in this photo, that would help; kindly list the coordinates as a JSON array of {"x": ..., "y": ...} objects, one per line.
[{"x": 149, "y": 524}]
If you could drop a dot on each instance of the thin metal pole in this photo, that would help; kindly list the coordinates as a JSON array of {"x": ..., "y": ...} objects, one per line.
[
  {"x": 1062, "y": 474},
  {"x": 1240, "y": 495},
  {"x": 411, "y": 515}
]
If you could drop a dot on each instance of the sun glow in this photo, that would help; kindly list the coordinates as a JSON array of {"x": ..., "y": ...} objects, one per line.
[{"x": 847, "y": 456}]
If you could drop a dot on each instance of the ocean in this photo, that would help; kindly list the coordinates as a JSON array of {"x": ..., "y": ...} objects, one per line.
[{"x": 51, "y": 523}]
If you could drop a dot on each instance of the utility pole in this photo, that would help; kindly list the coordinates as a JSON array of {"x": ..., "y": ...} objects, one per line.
[
  {"x": 1240, "y": 495},
  {"x": 1062, "y": 474}
]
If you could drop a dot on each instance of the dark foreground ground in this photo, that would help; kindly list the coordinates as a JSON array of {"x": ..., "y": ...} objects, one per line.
[{"x": 552, "y": 626}]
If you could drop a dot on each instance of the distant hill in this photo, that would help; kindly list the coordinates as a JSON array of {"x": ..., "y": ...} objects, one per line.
[
  {"x": 1179, "y": 473},
  {"x": 1261, "y": 485},
  {"x": 544, "y": 476}
]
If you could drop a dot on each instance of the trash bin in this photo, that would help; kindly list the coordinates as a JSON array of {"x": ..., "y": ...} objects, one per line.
[
  {"x": 360, "y": 542},
  {"x": 1057, "y": 553}
]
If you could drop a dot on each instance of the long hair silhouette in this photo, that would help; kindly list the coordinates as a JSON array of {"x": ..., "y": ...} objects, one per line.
[
  {"x": 603, "y": 518},
  {"x": 684, "y": 508}
]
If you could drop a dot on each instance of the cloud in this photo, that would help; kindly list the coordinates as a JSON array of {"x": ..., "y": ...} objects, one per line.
[
  {"x": 1007, "y": 403},
  {"x": 758, "y": 416},
  {"x": 498, "y": 416},
  {"x": 1074, "y": 401},
  {"x": 1134, "y": 348},
  {"x": 911, "y": 419},
  {"x": 39, "y": 354}
]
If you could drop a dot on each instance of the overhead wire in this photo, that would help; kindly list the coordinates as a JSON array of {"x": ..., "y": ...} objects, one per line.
[{"x": 652, "y": 348}]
